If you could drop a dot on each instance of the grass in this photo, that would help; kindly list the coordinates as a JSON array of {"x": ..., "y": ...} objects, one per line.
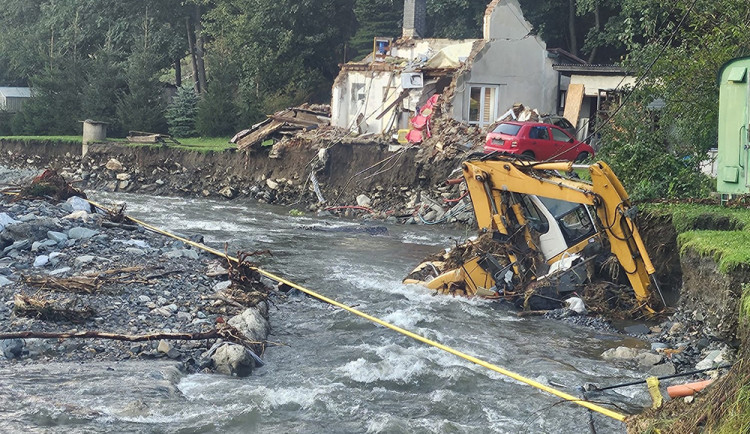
[
  {"x": 737, "y": 417},
  {"x": 204, "y": 144},
  {"x": 67, "y": 139},
  {"x": 730, "y": 249},
  {"x": 198, "y": 144},
  {"x": 697, "y": 226},
  {"x": 686, "y": 216}
]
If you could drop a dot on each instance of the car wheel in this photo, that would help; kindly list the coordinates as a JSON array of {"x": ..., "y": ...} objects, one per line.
[
  {"x": 582, "y": 156},
  {"x": 528, "y": 155}
]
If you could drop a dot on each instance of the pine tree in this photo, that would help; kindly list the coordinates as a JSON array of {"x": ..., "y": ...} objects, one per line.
[
  {"x": 142, "y": 107},
  {"x": 181, "y": 113}
]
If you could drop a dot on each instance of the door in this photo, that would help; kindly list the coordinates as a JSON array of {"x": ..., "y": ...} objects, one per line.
[
  {"x": 565, "y": 147},
  {"x": 539, "y": 141}
]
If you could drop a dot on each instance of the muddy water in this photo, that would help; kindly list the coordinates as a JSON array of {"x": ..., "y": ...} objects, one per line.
[{"x": 334, "y": 372}]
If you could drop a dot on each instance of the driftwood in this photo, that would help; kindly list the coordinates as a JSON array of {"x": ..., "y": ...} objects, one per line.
[
  {"x": 50, "y": 185},
  {"x": 162, "y": 274},
  {"x": 51, "y": 310},
  {"x": 87, "y": 284},
  {"x": 124, "y": 226}
]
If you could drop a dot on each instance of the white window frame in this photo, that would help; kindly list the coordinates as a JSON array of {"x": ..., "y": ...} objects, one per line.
[{"x": 482, "y": 108}]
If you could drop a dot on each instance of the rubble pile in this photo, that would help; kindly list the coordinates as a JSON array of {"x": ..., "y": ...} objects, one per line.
[{"x": 284, "y": 123}]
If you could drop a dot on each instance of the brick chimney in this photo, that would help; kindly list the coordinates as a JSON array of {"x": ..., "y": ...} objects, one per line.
[{"x": 415, "y": 18}]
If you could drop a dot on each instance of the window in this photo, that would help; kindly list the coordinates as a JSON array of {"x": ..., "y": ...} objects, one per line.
[
  {"x": 358, "y": 93},
  {"x": 482, "y": 105},
  {"x": 535, "y": 219},
  {"x": 573, "y": 219},
  {"x": 560, "y": 136},
  {"x": 538, "y": 133},
  {"x": 509, "y": 129}
]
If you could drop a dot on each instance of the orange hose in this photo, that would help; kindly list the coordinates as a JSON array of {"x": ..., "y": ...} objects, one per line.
[{"x": 688, "y": 389}]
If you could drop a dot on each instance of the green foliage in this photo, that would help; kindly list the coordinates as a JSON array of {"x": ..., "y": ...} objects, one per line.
[
  {"x": 104, "y": 83},
  {"x": 455, "y": 19},
  {"x": 218, "y": 111},
  {"x": 737, "y": 418},
  {"x": 182, "y": 111},
  {"x": 745, "y": 305},
  {"x": 72, "y": 53},
  {"x": 287, "y": 47},
  {"x": 592, "y": 32},
  {"x": 5, "y": 123},
  {"x": 375, "y": 18},
  {"x": 647, "y": 160},
  {"x": 666, "y": 146},
  {"x": 142, "y": 107}
]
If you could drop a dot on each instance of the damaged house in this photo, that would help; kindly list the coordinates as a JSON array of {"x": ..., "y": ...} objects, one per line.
[{"x": 478, "y": 79}]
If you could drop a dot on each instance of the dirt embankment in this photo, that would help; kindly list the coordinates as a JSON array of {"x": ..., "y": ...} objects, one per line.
[{"x": 394, "y": 182}]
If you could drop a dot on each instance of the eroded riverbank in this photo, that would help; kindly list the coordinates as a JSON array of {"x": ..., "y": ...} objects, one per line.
[{"x": 686, "y": 342}]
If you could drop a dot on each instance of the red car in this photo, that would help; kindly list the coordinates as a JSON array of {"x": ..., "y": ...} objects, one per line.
[{"x": 536, "y": 141}]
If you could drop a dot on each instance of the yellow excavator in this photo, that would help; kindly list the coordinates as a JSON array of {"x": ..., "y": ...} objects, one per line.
[{"x": 542, "y": 226}]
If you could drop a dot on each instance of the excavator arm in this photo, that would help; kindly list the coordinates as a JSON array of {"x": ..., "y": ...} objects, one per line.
[{"x": 487, "y": 179}]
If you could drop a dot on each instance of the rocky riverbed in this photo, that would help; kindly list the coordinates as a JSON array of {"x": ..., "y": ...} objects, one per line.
[{"x": 65, "y": 268}]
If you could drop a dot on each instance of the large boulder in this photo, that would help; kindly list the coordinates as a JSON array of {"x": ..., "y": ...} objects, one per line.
[
  {"x": 253, "y": 323},
  {"x": 78, "y": 233},
  {"x": 78, "y": 204},
  {"x": 114, "y": 165},
  {"x": 232, "y": 359}
]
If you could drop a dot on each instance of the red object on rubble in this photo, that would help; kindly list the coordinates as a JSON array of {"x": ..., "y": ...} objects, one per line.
[{"x": 421, "y": 122}]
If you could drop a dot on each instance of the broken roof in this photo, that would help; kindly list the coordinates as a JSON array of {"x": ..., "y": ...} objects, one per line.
[{"x": 418, "y": 55}]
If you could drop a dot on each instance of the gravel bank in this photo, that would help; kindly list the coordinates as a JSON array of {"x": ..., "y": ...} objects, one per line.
[{"x": 130, "y": 282}]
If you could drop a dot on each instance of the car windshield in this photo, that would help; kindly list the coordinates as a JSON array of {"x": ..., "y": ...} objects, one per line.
[{"x": 508, "y": 129}]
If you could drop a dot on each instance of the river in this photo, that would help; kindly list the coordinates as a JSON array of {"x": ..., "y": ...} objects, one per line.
[{"x": 334, "y": 372}]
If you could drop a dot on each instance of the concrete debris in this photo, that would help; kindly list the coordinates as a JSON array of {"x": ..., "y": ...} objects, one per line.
[{"x": 363, "y": 200}]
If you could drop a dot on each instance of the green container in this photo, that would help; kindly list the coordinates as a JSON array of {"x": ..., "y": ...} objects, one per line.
[{"x": 733, "y": 160}]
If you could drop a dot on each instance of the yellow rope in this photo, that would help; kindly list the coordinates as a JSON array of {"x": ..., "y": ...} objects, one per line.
[{"x": 507, "y": 373}]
